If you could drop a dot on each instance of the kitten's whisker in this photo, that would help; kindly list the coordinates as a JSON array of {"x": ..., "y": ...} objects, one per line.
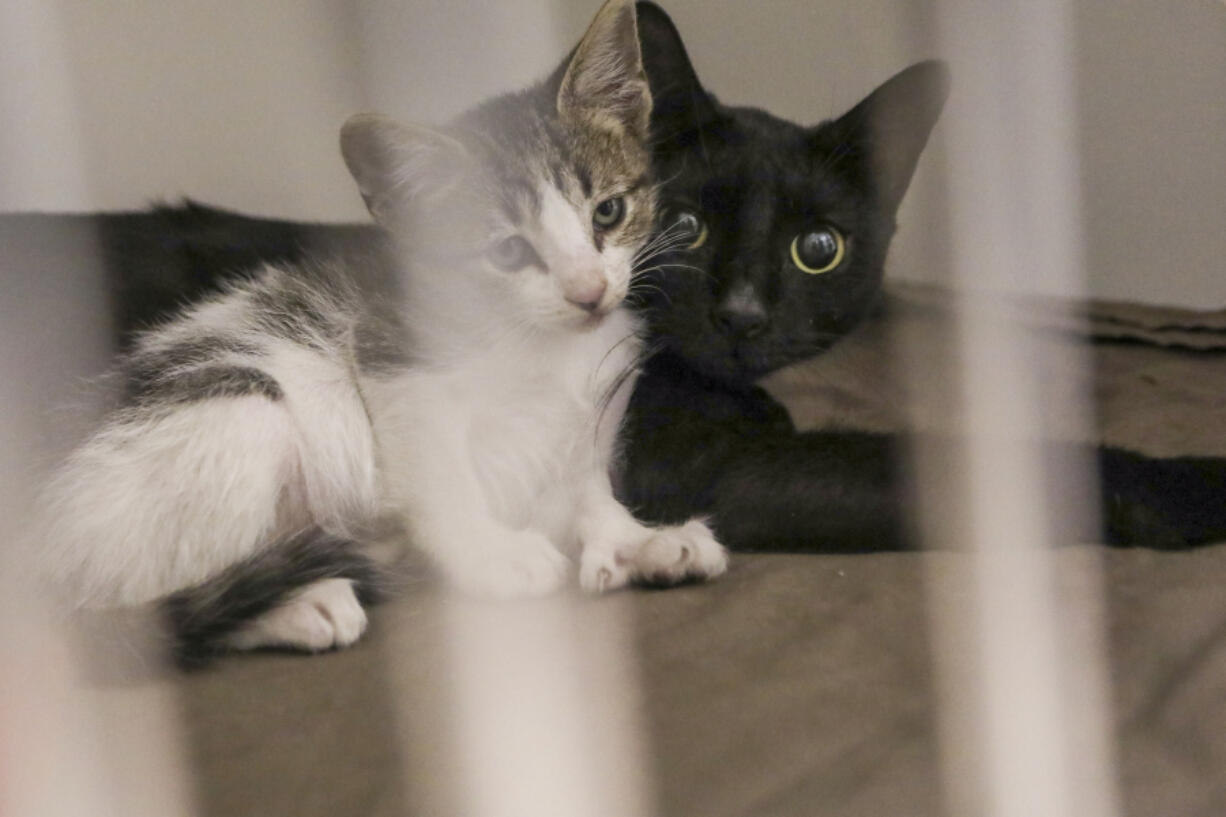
[
  {"x": 659, "y": 246},
  {"x": 637, "y": 294},
  {"x": 669, "y": 233},
  {"x": 630, "y": 370}
]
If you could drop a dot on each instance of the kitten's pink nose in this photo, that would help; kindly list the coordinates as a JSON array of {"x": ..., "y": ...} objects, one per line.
[{"x": 587, "y": 296}]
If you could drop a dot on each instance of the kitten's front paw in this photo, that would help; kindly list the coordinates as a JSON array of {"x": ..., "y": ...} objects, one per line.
[
  {"x": 603, "y": 569},
  {"x": 682, "y": 553},
  {"x": 526, "y": 565},
  {"x": 322, "y": 616}
]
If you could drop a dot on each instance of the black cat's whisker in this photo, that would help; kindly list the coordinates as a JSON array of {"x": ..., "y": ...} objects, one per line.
[{"x": 662, "y": 184}]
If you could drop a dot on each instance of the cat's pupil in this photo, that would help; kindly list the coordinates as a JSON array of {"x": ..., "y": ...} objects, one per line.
[
  {"x": 818, "y": 250},
  {"x": 511, "y": 254},
  {"x": 609, "y": 213}
]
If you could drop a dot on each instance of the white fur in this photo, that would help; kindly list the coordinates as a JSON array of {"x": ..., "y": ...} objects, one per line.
[
  {"x": 158, "y": 501},
  {"x": 499, "y": 461},
  {"x": 324, "y": 615},
  {"x": 151, "y": 505},
  {"x": 577, "y": 269},
  {"x": 491, "y": 459}
]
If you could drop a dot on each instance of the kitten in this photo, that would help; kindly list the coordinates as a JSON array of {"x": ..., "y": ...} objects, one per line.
[{"x": 467, "y": 381}]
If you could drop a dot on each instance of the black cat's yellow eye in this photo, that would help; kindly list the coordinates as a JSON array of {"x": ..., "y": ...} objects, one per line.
[
  {"x": 609, "y": 213},
  {"x": 818, "y": 251},
  {"x": 511, "y": 254},
  {"x": 690, "y": 225}
]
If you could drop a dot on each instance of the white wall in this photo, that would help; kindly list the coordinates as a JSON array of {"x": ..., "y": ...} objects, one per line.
[
  {"x": 231, "y": 102},
  {"x": 1152, "y": 77},
  {"x": 112, "y": 104}
]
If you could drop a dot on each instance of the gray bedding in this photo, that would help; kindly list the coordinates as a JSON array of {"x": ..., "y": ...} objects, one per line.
[{"x": 797, "y": 684}]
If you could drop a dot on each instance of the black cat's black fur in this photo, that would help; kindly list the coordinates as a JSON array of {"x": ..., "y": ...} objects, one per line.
[
  {"x": 158, "y": 261},
  {"x": 701, "y": 437}
]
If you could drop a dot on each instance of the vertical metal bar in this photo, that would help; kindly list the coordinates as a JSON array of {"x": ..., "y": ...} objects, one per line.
[
  {"x": 541, "y": 701},
  {"x": 70, "y": 744},
  {"x": 1017, "y": 624}
]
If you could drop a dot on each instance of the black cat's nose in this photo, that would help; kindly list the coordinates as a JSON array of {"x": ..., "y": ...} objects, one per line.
[{"x": 740, "y": 314}]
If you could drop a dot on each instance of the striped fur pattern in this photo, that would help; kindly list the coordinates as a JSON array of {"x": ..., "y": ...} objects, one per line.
[
  {"x": 469, "y": 389},
  {"x": 242, "y": 424}
]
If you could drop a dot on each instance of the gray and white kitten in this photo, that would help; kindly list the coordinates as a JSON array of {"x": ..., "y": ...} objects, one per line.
[{"x": 467, "y": 383}]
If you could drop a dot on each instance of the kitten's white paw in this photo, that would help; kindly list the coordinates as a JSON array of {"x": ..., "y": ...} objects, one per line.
[
  {"x": 680, "y": 553},
  {"x": 604, "y": 569},
  {"x": 526, "y": 565},
  {"x": 323, "y": 615}
]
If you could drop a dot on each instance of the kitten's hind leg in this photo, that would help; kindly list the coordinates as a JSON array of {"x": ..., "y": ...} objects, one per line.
[
  {"x": 322, "y": 616},
  {"x": 307, "y": 593}
]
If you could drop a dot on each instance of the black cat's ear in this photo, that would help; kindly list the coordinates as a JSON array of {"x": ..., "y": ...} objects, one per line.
[
  {"x": 394, "y": 163},
  {"x": 604, "y": 79},
  {"x": 681, "y": 105},
  {"x": 889, "y": 129}
]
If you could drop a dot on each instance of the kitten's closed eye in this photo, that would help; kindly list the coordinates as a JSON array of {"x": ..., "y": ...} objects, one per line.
[
  {"x": 820, "y": 250},
  {"x": 512, "y": 254}
]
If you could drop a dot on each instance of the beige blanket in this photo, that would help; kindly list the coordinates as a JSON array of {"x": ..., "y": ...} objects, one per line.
[{"x": 795, "y": 685}]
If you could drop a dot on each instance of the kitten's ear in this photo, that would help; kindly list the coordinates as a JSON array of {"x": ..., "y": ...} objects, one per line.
[
  {"x": 679, "y": 103},
  {"x": 604, "y": 78},
  {"x": 888, "y": 130},
  {"x": 394, "y": 163}
]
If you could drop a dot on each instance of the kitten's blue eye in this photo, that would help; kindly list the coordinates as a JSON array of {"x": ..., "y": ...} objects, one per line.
[
  {"x": 690, "y": 224},
  {"x": 512, "y": 254},
  {"x": 818, "y": 251},
  {"x": 609, "y": 213}
]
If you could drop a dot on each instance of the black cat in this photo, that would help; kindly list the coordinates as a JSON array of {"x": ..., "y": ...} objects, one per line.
[{"x": 788, "y": 229}]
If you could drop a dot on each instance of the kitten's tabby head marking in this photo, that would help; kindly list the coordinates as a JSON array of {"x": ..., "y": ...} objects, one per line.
[
  {"x": 540, "y": 200},
  {"x": 779, "y": 231}
]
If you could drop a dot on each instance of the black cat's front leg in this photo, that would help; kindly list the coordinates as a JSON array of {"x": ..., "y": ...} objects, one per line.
[
  {"x": 826, "y": 492},
  {"x": 680, "y": 433},
  {"x": 697, "y": 448},
  {"x": 694, "y": 447},
  {"x": 770, "y": 489}
]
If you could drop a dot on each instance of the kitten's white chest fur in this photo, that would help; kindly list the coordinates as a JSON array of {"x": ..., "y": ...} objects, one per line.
[{"x": 532, "y": 422}]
